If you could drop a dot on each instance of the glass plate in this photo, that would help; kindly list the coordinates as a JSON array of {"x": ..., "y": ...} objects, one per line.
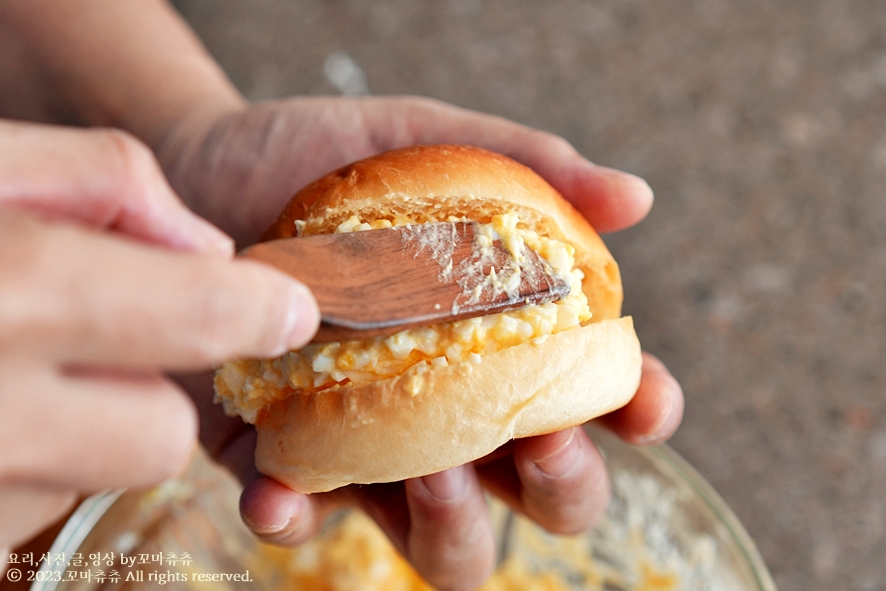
[{"x": 665, "y": 529}]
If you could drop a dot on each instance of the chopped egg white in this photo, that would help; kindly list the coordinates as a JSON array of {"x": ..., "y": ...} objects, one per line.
[{"x": 247, "y": 386}]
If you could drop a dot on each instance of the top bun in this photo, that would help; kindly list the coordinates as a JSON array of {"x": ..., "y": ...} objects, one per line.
[
  {"x": 436, "y": 416},
  {"x": 430, "y": 183}
]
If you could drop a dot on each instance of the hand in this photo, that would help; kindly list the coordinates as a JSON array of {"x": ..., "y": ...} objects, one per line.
[
  {"x": 239, "y": 170},
  {"x": 107, "y": 280}
]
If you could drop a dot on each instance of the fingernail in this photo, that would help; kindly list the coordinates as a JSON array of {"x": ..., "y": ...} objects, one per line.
[
  {"x": 302, "y": 317},
  {"x": 563, "y": 462},
  {"x": 264, "y": 529},
  {"x": 447, "y": 486}
]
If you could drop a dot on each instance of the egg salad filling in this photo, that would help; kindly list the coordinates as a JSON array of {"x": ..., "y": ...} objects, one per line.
[
  {"x": 355, "y": 554},
  {"x": 245, "y": 387}
]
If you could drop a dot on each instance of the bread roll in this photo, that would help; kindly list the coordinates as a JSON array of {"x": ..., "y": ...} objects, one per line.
[{"x": 435, "y": 413}]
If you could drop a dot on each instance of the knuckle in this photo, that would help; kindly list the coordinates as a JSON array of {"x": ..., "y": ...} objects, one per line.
[
  {"x": 129, "y": 158},
  {"x": 126, "y": 146},
  {"x": 173, "y": 439},
  {"x": 570, "y": 516},
  {"x": 17, "y": 429},
  {"x": 557, "y": 145},
  {"x": 279, "y": 516},
  {"x": 29, "y": 279},
  {"x": 16, "y": 264},
  {"x": 568, "y": 525},
  {"x": 452, "y": 546},
  {"x": 456, "y": 573},
  {"x": 573, "y": 504}
]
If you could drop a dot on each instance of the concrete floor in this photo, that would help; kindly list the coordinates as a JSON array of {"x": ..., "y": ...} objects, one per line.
[{"x": 759, "y": 277}]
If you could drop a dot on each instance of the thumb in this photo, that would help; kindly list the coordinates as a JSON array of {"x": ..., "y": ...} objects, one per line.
[{"x": 114, "y": 303}]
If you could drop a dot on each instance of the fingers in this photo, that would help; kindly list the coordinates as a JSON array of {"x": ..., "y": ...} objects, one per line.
[
  {"x": 279, "y": 515},
  {"x": 450, "y": 540},
  {"x": 610, "y": 199},
  {"x": 86, "y": 298},
  {"x": 107, "y": 431},
  {"x": 656, "y": 410},
  {"x": 565, "y": 487},
  {"x": 275, "y": 513},
  {"x": 100, "y": 178},
  {"x": 558, "y": 480},
  {"x": 438, "y": 522},
  {"x": 26, "y": 509},
  {"x": 228, "y": 440}
]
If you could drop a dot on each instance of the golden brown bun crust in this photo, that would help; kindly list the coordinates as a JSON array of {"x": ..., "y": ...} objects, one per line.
[
  {"x": 459, "y": 181},
  {"x": 414, "y": 424}
]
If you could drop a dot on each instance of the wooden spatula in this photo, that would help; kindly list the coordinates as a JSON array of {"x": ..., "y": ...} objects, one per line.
[{"x": 379, "y": 282}]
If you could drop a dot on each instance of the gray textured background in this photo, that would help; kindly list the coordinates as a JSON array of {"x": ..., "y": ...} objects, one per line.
[{"x": 760, "y": 275}]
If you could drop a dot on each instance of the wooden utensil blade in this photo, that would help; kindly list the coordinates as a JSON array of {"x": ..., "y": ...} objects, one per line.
[{"x": 378, "y": 282}]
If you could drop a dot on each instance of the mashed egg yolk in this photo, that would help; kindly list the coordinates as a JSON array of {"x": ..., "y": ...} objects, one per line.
[
  {"x": 356, "y": 555},
  {"x": 245, "y": 387}
]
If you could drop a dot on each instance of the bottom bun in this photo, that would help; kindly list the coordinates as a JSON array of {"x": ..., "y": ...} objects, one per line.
[{"x": 432, "y": 418}]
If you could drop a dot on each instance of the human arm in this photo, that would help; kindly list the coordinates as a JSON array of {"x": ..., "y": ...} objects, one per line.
[
  {"x": 106, "y": 282},
  {"x": 237, "y": 164},
  {"x": 137, "y": 66},
  {"x": 258, "y": 157}
]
